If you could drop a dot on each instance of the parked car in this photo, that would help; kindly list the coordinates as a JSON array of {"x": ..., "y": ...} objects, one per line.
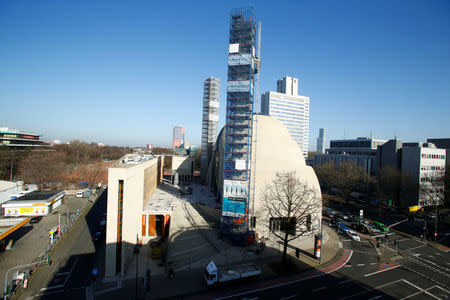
[
  {"x": 342, "y": 227},
  {"x": 353, "y": 235},
  {"x": 35, "y": 219},
  {"x": 98, "y": 235}
]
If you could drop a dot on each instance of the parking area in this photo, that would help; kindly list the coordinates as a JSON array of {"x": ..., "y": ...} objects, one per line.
[{"x": 31, "y": 240}]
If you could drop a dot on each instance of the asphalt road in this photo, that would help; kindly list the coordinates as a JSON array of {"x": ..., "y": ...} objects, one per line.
[
  {"x": 421, "y": 273},
  {"x": 73, "y": 260}
]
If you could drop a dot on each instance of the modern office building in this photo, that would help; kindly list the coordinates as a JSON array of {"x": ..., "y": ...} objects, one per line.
[
  {"x": 321, "y": 141},
  {"x": 178, "y": 137},
  {"x": 361, "y": 151},
  {"x": 420, "y": 163},
  {"x": 210, "y": 120},
  {"x": 274, "y": 151},
  {"x": 290, "y": 108},
  {"x": 17, "y": 139},
  {"x": 242, "y": 68}
]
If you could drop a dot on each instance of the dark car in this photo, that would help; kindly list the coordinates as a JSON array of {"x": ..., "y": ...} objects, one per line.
[
  {"x": 97, "y": 236},
  {"x": 35, "y": 219}
]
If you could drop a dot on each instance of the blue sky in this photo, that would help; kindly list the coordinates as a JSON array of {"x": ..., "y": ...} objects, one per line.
[{"x": 126, "y": 72}]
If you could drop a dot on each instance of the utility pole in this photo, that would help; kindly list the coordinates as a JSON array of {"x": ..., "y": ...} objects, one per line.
[
  {"x": 435, "y": 223},
  {"x": 59, "y": 225}
]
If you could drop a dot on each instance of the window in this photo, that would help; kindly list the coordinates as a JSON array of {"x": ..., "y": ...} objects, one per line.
[{"x": 283, "y": 224}]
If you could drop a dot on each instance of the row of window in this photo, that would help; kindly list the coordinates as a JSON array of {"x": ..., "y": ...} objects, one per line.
[
  {"x": 298, "y": 114},
  {"x": 432, "y": 168},
  {"x": 433, "y": 156},
  {"x": 289, "y": 104}
]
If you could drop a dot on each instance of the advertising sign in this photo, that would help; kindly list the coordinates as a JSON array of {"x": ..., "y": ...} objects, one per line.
[
  {"x": 26, "y": 210},
  {"x": 234, "y": 198}
]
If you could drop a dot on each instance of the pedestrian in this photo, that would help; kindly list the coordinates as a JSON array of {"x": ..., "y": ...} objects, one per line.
[{"x": 171, "y": 273}]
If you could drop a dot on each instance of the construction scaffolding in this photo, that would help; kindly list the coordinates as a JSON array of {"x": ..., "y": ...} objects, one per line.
[
  {"x": 210, "y": 120},
  {"x": 239, "y": 122}
]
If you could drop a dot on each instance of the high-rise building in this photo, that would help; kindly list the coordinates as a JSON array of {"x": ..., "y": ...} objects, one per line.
[
  {"x": 290, "y": 108},
  {"x": 321, "y": 141},
  {"x": 242, "y": 69},
  {"x": 178, "y": 137},
  {"x": 210, "y": 120}
]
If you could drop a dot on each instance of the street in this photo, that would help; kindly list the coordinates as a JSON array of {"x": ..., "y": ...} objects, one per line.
[
  {"x": 76, "y": 255},
  {"x": 422, "y": 272}
]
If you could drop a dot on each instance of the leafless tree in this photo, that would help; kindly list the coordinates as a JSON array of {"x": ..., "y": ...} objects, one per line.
[
  {"x": 432, "y": 188},
  {"x": 42, "y": 168},
  {"x": 326, "y": 174},
  {"x": 292, "y": 206},
  {"x": 92, "y": 173},
  {"x": 350, "y": 176}
]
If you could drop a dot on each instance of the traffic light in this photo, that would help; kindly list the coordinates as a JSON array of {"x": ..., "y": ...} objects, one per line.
[{"x": 435, "y": 234}]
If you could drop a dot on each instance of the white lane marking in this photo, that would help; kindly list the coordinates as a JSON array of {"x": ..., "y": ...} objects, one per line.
[
  {"x": 272, "y": 286},
  {"x": 448, "y": 292},
  {"x": 387, "y": 269},
  {"x": 415, "y": 247},
  {"x": 345, "y": 262},
  {"x": 63, "y": 273},
  {"x": 373, "y": 263},
  {"x": 65, "y": 281},
  {"x": 345, "y": 281},
  {"x": 420, "y": 289},
  {"x": 360, "y": 265},
  {"x": 347, "y": 266},
  {"x": 71, "y": 269},
  {"x": 321, "y": 288},
  {"x": 52, "y": 287},
  {"x": 288, "y": 297},
  {"x": 375, "y": 288}
]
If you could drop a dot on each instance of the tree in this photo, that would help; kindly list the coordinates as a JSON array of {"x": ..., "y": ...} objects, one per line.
[
  {"x": 42, "y": 168},
  {"x": 350, "y": 176},
  {"x": 292, "y": 206},
  {"x": 432, "y": 188},
  {"x": 326, "y": 174},
  {"x": 92, "y": 173}
]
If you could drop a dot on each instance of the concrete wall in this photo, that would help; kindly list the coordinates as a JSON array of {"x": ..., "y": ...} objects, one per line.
[
  {"x": 140, "y": 181},
  {"x": 276, "y": 152}
]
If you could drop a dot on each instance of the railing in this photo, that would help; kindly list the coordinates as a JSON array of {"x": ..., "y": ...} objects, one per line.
[{"x": 45, "y": 254}]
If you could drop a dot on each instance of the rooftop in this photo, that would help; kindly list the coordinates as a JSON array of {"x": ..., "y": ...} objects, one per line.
[
  {"x": 38, "y": 195},
  {"x": 132, "y": 159},
  {"x": 160, "y": 200}
]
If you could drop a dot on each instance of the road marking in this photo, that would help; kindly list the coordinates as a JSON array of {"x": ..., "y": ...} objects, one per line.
[
  {"x": 73, "y": 266},
  {"x": 387, "y": 269},
  {"x": 415, "y": 247},
  {"x": 420, "y": 289},
  {"x": 321, "y": 288},
  {"x": 347, "y": 266},
  {"x": 288, "y": 297},
  {"x": 63, "y": 273},
  {"x": 360, "y": 265},
  {"x": 345, "y": 281},
  {"x": 375, "y": 288},
  {"x": 373, "y": 263}
]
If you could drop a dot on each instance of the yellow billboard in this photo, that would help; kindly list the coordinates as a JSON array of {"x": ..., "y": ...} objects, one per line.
[
  {"x": 26, "y": 210},
  {"x": 413, "y": 208}
]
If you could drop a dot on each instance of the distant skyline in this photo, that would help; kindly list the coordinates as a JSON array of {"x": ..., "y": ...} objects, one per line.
[{"x": 125, "y": 73}]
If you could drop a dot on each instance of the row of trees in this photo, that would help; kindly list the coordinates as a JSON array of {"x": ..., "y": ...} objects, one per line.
[
  {"x": 388, "y": 185},
  {"x": 68, "y": 163}
]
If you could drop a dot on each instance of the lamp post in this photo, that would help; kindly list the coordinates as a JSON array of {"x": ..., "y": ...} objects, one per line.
[{"x": 136, "y": 252}]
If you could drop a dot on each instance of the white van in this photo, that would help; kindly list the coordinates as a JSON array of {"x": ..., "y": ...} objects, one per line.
[{"x": 80, "y": 194}]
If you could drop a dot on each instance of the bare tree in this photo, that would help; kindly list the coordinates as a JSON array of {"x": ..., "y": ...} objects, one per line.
[
  {"x": 348, "y": 177},
  {"x": 292, "y": 206},
  {"x": 326, "y": 174},
  {"x": 93, "y": 173},
  {"x": 42, "y": 168},
  {"x": 432, "y": 188}
]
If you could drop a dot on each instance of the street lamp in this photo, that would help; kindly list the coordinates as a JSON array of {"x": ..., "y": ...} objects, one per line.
[{"x": 136, "y": 252}]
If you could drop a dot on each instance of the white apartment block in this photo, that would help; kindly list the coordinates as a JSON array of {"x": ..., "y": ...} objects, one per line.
[
  {"x": 420, "y": 163},
  {"x": 290, "y": 108}
]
